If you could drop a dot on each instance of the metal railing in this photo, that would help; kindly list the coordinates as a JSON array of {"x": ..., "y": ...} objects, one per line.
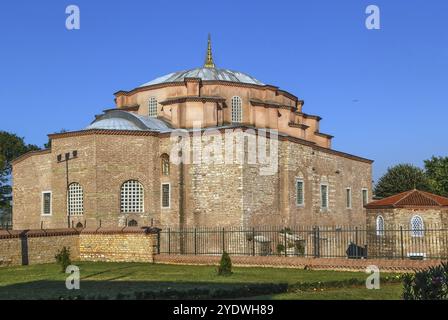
[
  {"x": 5, "y": 225},
  {"x": 393, "y": 242}
]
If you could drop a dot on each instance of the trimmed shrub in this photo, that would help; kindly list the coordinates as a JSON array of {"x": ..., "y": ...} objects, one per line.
[
  {"x": 225, "y": 265},
  {"x": 63, "y": 258}
]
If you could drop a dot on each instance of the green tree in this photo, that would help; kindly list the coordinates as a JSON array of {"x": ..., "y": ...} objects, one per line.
[
  {"x": 437, "y": 173},
  {"x": 11, "y": 147},
  {"x": 400, "y": 178}
]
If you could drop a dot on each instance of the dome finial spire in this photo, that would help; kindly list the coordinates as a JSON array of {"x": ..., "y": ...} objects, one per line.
[{"x": 209, "y": 57}]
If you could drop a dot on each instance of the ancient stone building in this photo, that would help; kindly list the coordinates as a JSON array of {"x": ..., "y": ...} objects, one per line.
[
  {"x": 121, "y": 168},
  {"x": 409, "y": 224}
]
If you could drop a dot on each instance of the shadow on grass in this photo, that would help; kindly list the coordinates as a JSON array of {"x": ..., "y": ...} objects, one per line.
[{"x": 137, "y": 290}]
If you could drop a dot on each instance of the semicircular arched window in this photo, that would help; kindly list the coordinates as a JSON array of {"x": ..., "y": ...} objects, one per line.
[
  {"x": 132, "y": 223},
  {"x": 380, "y": 226},
  {"x": 152, "y": 106},
  {"x": 75, "y": 199},
  {"x": 165, "y": 163},
  {"x": 417, "y": 226},
  {"x": 132, "y": 194},
  {"x": 237, "y": 109}
]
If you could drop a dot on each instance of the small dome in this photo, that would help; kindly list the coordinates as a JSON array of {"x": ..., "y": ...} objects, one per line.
[
  {"x": 209, "y": 72},
  {"x": 113, "y": 124},
  {"x": 206, "y": 74},
  {"x": 123, "y": 120}
]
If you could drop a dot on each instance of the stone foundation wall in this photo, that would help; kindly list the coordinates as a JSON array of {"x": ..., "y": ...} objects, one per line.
[
  {"x": 41, "y": 246},
  {"x": 36, "y": 247},
  {"x": 117, "y": 247}
]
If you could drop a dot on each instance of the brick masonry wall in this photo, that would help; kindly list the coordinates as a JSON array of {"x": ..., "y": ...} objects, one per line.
[
  {"x": 41, "y": 246},
  {"x": 210, "y": 195}
]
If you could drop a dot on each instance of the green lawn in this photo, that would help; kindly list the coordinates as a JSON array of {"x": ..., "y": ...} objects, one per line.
[
  {"x": 109, "y": 279},
  {"x": 386, "y": 292}
]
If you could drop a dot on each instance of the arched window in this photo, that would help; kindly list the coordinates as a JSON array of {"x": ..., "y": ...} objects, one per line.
[
  {"x": 75, "y": 199},
  {"x": 237, "y": 110},
  {"x": 380, "y": 226},
  {"x": 417, "y": 226},
  {"x": 79, "y": 225},
  {"x": 132, "y": 197},
  {"x": 132, "y": 223},
  {"x": 165, "y": 162},
  {"x": 152, "y": 107}
]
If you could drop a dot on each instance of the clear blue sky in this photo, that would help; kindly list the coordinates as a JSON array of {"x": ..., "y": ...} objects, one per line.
[{"x": 381, "y": 93}]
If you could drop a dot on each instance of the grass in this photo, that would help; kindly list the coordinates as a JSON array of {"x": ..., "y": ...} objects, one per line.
[
  {"x": 109, "y": 279},
  {"x": 387, "y": 292}
]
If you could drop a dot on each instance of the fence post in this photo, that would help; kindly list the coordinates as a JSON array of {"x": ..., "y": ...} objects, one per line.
[
  {"x": 195, "y": 242},
  {"x": 223, "y": 240},
  {"x": 158, "y": 242},
  {"x": 169, "y": 240},
  {"x": 253, "y": 241},
  {"x": 356, "y": 242},
  {"x": 286, "y": 243},
  {"x": 316, "y": 242},
  {"x": 401, "y": 241}
]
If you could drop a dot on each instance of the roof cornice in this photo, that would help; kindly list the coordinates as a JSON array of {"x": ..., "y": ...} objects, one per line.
[
  {"x": 29, "y": 154},
  {"x": 183, "y": 99},
  {"x": 206, "y": 82}
]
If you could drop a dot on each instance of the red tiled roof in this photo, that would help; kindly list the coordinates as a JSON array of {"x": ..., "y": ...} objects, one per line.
[{"x": 411, "y": 198}]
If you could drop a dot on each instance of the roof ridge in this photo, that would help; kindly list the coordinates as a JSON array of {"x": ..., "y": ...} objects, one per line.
[
  {"x": 433, "y": 197},
  {"x": 406, "y": 195}
]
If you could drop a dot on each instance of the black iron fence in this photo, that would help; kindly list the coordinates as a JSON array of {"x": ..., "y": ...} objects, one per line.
[
  {"x": 6, "y": 225},
  {"x": 393, "y": 242}
]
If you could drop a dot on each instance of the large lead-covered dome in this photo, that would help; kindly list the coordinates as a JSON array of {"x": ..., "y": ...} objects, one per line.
[{"x": 206, "y": 73}]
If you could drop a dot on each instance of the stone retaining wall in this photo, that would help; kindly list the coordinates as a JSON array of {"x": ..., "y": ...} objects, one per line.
[
  {"x": 40, "y": 246},
  {"x": 118, "y": 247}
]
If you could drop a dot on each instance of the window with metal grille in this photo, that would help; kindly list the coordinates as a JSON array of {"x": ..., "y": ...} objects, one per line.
[
  {"x": 324, "y": 196},
  {"x": 75, "y": 199},
  {"x": 46, "y": 203},
  {"x": 132, "y": 197},
  {"x": 348, "y": 198},
  {"x": 365, "y": 197},
  {"x": 237, "y": 112},
  {"x": 417, "y": 226},
  {"x": 380, "y": 226},
  {"x": 165, "y": 164},
  {"x": 132, "y": 223},
  {"x": 152, "y": 107},
  {"x": 165, "y": 195},
  {"x": 299, "y": 192}
]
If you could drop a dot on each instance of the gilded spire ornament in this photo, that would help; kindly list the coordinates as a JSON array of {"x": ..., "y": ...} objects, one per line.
[{"x": 209, "y": 57}]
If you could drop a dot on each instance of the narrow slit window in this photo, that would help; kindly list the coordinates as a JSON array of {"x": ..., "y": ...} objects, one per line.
[
  {"x": 166, "y": 195},
  {"x": 46, "y": 203},
  {"x": 324, "y": 196},
  {"x": 299, "y": 193}
]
